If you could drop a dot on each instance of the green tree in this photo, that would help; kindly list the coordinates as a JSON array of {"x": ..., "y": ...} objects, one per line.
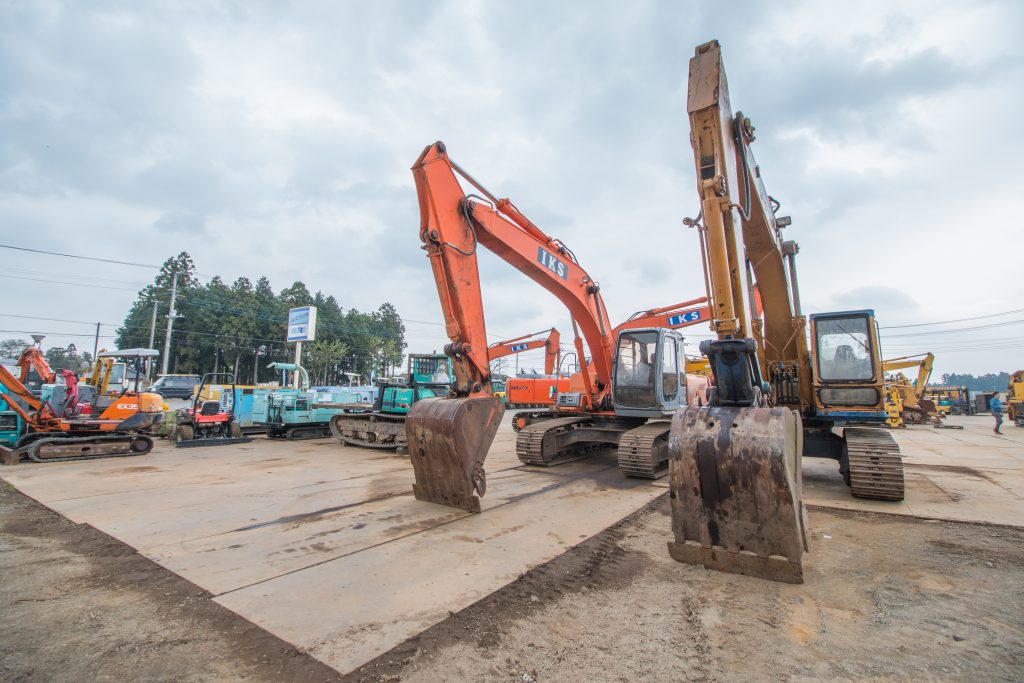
[
  {"x": 241, "y": 327},
  {"x": 320, "y": 356},
  {"x": 12, "y": 348}
]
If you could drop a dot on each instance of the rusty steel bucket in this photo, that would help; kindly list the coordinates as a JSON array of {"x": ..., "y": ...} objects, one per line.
[
  {"x": 735, "y": 487},
  {"x": 448, "y": 442}
]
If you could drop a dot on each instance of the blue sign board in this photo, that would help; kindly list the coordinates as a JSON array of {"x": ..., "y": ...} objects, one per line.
[
  {"x": 688, "y": 317},
  {"x": 302, "y": 324}
]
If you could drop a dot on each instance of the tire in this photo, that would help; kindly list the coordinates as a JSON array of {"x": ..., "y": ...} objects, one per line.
[
  {"x": 234, "y": 431},
  {"x": 183, "y": 433}
]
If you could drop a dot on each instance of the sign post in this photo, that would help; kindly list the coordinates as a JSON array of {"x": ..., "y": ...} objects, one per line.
[{"x": 301, "y": 327}]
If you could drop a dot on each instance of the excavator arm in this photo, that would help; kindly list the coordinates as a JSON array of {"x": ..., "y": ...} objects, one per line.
[
  {"x": 674, "y": 317},
  {"x": 33, "y": 359},
  {"x": 37, "y": 411},
  {"x": 449, "y": 438},
  {"x": 923, "y": 362},
  {"x": 551, "y": 345}
]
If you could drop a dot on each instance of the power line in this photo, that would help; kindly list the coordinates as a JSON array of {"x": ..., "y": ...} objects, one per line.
[
  {"x": 84, "y": 258},
  {"x": 958, "y": 320},
  {"x": 55, "y": 334},
  {"x": 958, "y": 329},
  {"x": 55, "y": 320},
  {"x": 73, "y": 284},
  {"x": 90, "y": 278}
]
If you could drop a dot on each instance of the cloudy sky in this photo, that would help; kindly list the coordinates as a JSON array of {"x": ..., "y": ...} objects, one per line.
[{"x": 276, "y": 139}]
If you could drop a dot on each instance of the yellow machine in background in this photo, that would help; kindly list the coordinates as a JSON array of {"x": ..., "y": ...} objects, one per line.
[
  {"x": 1015, "y": 398},
  {"x": 949, "y": 399},
  {"x": 905, "y": 401}
]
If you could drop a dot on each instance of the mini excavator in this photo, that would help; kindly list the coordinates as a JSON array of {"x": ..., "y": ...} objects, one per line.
[
  {"x": 735, "y": 465},
  {"x": 105, "y": 430},
  {"x": 635, "y": 380}
]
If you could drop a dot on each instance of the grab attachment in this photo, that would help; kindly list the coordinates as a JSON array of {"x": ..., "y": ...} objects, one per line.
[
  {"x": 736, "y": 491},
  {"x": 448, "y": 442}
]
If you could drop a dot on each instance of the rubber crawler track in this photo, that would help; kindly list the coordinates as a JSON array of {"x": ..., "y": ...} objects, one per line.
[{"x": 132, "y": 444}]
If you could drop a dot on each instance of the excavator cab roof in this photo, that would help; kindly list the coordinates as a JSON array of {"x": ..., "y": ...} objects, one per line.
[{"x": 842, "y": 314}]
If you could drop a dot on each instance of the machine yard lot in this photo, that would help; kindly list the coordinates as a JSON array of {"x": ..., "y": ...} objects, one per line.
[{"x": 287, "y": 557}]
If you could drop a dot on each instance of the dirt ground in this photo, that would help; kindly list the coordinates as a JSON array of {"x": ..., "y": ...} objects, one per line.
[
  {"x": 78, "y": 605},
  {"x": 886, "y": 597}
]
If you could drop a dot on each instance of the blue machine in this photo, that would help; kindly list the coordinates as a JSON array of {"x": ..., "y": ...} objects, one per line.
[
  {"x": 305, "y": 413},
  {"x": 10, "y": 423}
]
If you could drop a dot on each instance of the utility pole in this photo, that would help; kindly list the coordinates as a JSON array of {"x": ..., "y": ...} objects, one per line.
[
  {"x": 171, "y": 315},
  {"x": 96, "y": 343},
  {"x": 152, "y": 334}
]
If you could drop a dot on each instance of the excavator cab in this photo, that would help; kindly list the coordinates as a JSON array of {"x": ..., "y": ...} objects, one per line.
[
  {"x": 847, "y": 366},
  {"x": 649, "y": 369}
]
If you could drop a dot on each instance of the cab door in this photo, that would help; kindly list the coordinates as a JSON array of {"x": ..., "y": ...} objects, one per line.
[{"x": 649, "y": 377}]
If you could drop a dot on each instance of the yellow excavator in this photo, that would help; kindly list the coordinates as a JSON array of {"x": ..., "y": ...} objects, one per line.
[
  {"x": 785, "y": 385},
  {"x": 905, "y": 401}
]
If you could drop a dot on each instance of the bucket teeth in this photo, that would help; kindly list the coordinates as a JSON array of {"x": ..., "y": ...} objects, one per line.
[
  {"x": 735, "y": 489},
  {"x": 448, "y": 442}
]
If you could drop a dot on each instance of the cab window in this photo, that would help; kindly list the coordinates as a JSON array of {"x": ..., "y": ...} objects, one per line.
[
  {"x": 844, "y": 349},
  {"x": 635, "y": 366},
  {"x": 670, "y": 371}
]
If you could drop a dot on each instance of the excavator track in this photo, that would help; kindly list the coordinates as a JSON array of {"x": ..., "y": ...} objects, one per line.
[
  {"x": 314, "y": 432},
  {"x": 874, "y": 466},
  {"x": 643, "y": 451},
  {"x": 535, "y": 443},
  {"x": 369, "y": 430},
  {"x": 62, "y": 449}
]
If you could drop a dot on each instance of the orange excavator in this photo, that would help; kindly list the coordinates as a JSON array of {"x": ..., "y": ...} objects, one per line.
[
  {"x": 531, "y": 391},
  {"x": 551, "y": 344},
  {"x": 634, "y": 382},
  {"x": 72, "y": 431},
  {"x": 674, "y": 317}
]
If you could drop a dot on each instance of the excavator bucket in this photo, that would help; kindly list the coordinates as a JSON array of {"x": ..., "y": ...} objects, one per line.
[
  {"x": 735, "y": 489},
  {"x": 448, "y": 442}
]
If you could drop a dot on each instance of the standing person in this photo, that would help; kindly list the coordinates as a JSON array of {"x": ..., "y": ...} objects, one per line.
[{"x": 996, "y": 406}]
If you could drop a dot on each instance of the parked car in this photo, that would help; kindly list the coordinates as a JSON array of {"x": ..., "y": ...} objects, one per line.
[{"x": 174, "y": 386}]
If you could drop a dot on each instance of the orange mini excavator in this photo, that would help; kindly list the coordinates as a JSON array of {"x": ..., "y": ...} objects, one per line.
[
  {"x": 72, "y": 433},
  {"x": 634, "y": 383}
]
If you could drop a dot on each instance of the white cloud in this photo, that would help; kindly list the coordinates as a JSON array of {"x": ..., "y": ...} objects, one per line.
[{"x": 276, "y": 139}]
